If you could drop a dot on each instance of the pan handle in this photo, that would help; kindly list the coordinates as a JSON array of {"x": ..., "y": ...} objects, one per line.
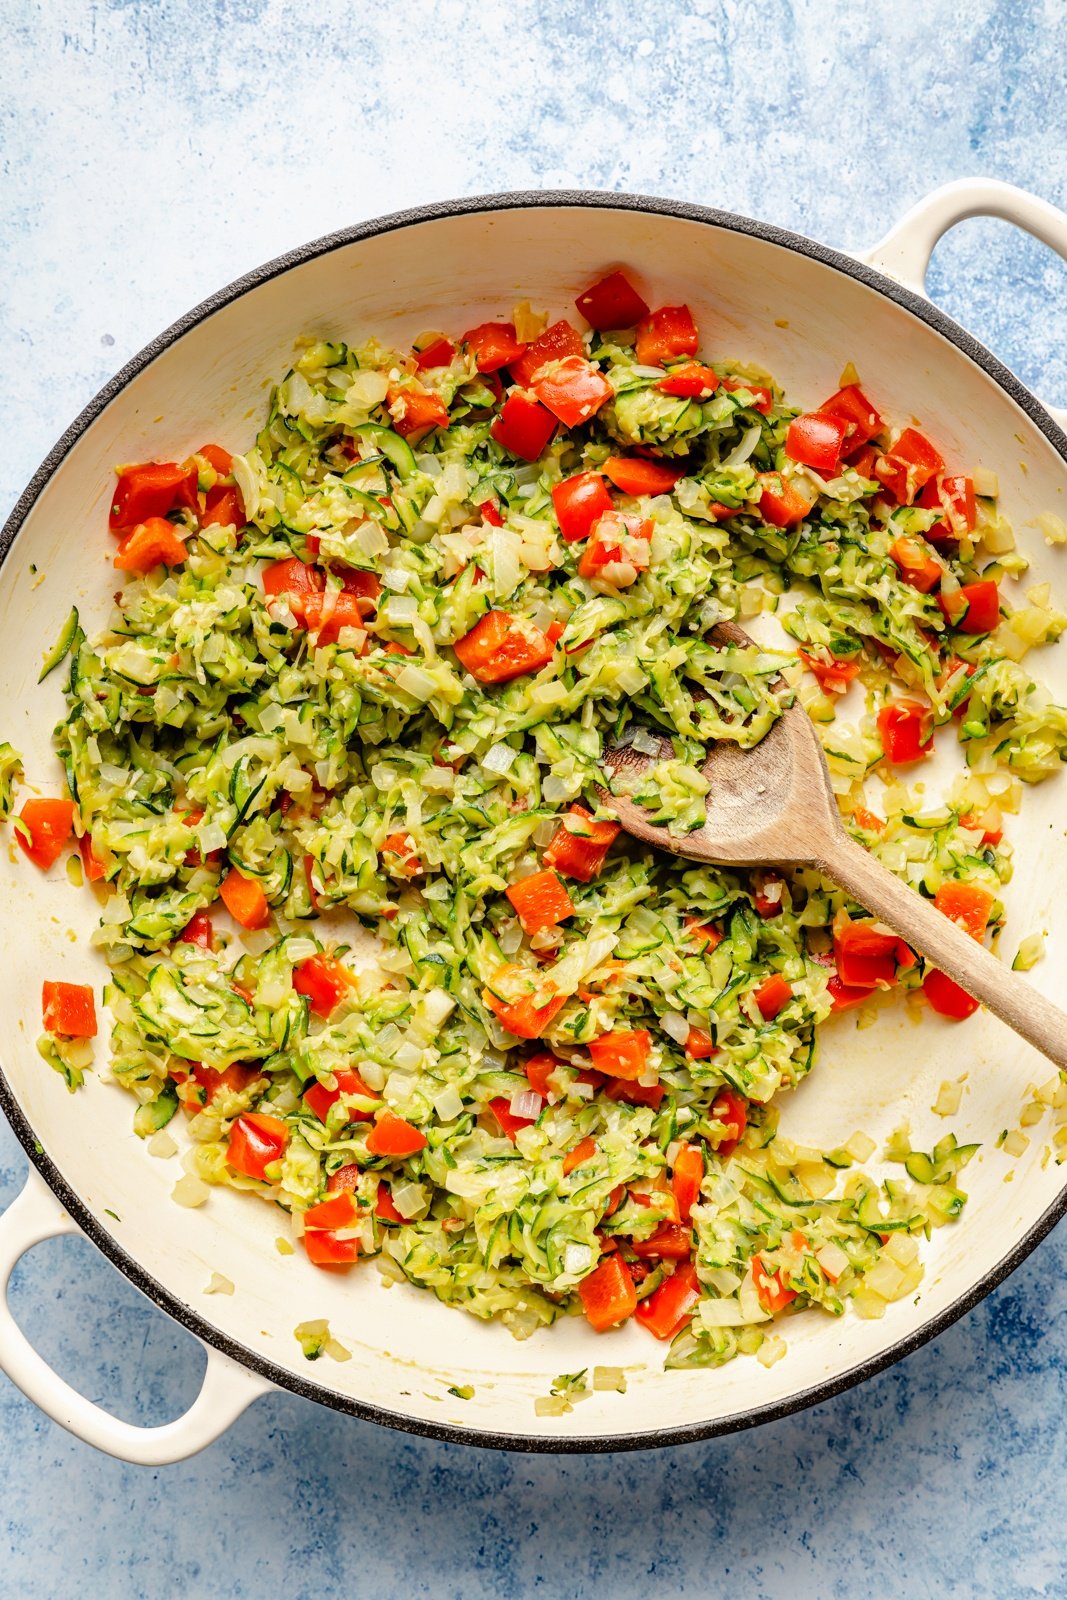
[
  {"x": 904, "y": 253},
  {"x": 227, "y": 1389}
]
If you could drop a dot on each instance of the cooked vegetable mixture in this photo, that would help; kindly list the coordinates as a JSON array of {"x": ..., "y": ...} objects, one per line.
[{"x": 364, "y": 674}]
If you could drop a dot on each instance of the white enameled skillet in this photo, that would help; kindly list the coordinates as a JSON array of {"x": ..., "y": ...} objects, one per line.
[{"x": 760, "y": 294}]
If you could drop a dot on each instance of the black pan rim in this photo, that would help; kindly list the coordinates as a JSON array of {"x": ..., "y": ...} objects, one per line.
[{"x": 130, "y": 1268}]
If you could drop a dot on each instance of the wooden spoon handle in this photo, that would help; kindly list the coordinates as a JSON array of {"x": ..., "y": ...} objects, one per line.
[{"x": 917, "y": 920}]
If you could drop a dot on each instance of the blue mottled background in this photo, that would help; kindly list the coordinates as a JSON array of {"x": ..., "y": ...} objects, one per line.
[{"x": 153, "y": 152}]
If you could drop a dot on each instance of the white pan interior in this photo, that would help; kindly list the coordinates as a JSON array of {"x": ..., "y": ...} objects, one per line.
[{"x": 210, "y": 383}]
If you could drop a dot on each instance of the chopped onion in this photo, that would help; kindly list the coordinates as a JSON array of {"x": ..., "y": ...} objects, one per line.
[
  {"x": 190, "y": 1192},
  {"x": 612, "y": 1379},
  {"x": 416, "y": 683},
  {"x": 217, "y": 1284},
  {"x": 499, "y": 758},
  {"x": 647, "y": 743},
  {"x": 676, "y": 1026},
  {"x": 448, "y": 1104},
  {"x": 526, "y": 1103},
  {"x": 744, "y": 447},
  {"x": 409, "y": 1198},
  {"x": 437, "y": 1005},
  {"x": 577, "y": 1258}
]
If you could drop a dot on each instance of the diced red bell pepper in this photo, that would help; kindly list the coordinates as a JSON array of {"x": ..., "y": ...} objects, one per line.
[
  {"x": 947, "y": 998},
  {"x": 438, "y": 353},
  {"x": 611, "y": 302},
  {"x": 817, "y": 440},
  {"x": 861, "y": 420},
  {"x": 244, "y": 899},
  {"x": 907, "y": 466},
  {"x": 538, "y": 1070},
  {"x": 954, "y": 499},
  {"x": 670, "y": 1242},
  {"x": 524, "y": 1017},
  {"x": 218, "y": 457},
  {"x": 579, "y": 845},
  {"x": 579, "y": 503},
  {"x": 607, "y": 1294},
  {"x": 365, "y": 587},
  {"x": 686, "y": 1178},
  {"x": 781, "y": 502},
  {"x": 704, "y": 935},
  {"x": 690, "y": 381},
  {"x": 199, "y": 930},
  {"x": 772, "y": 1289},
  {"x": 233, "y": 1079},
  {"x": 294, "y": 579},
  {"x": 833, "y": 676},
  {"x": 392, "y": 1136},
  {"x": 583, "y": 1151},
  {"x": 768, "y": 893},
  {"x": 256, "y": 1140},
  {"x": 384, "y": 1207},
  {"x": 151, "y": 490},
  {"x": 46, "y": 826},
  {"x": 972, "y": 608},
  {"x": 917, "y": 565},
  {"x": 493, "y": 345},
  {"x": 556, "y": 343},
  {"x": 906, "y": 729},
  {"x": 666, "y": 333},
  {"x": 731, "y": 1109},
  {"x": 622, "y": 1053},
  {"x": 344, "y": 1178},
  {"x": 524, "y": 425},
  {"x": 773, "y": 995},
  {"x": 327, "y": 1249},
  {"x": 867, "y": 819},
  {"x": 510, "y": 1124},
  {"x": 620, "y": 540},
  {"x": 416, "y": 410},
  {"x": 223, "y": 507},
  {"x": 865, "y": 958},
  {"x": 153, "y": 543},
  {"x": 634, "y": 476},
  {"x": 668, "y": 1309},
  {"x": 326, "y": 614},
  {"x": 699, "y": 1045},
  {"x": 635, "y": 1094},
  {"x": 573, "y": 390},
  {"x": 541, "y": 901},
  {"x": 324, "y": 980},
  {"x": 403, "y": 847},
  {"x": 501, "y": 647},
  {"x": 491, "y": 514},
  {"x": 92, "y": 866},
  {"x": 320, "y": 1099},
  {"x": 341, "y": 1210},
  {"x": 762, "y": 398},
  {"x": 967, "y": 904},
  {"x": 69, "y": 1009}
]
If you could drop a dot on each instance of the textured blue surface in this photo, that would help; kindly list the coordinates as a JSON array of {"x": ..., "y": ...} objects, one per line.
[{"x": 151, "y": 153}]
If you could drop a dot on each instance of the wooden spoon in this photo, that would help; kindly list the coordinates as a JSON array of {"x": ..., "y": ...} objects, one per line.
[{"x": 773, "y": 806}]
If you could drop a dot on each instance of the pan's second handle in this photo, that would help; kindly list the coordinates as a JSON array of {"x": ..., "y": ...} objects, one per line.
[
  {"x": 1014, "y": 1001},
  {"x": 904, "y": 253},
  {"x": 227, "y": 1389}
]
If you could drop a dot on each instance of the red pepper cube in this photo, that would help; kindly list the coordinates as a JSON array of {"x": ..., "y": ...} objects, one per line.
[
  {"x": 817, "y": 441},
  {"x": 861, "y": 420},
  {"x": 524, "y": 426},
  {"x": 69, "y": 1009},
  {"x": 501, "y": 647},
  {"x": 579, "y": 845},
  {"x": 666, "y": 333},
  {"x": 541, "y": 901},
  {"x": 907, "y": 466},
  {"x": 256, "y": 1141},
  {"x": 579, "y": 504},
  {"x": 556, "y": 343},
  {"x": 573, "y": 390},
  {"x": 493, "y": 345},
  {"x": 612, "y": 302}
]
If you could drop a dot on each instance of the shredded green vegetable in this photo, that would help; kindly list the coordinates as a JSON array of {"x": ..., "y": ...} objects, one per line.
[{"x": 206, "y": 732}]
